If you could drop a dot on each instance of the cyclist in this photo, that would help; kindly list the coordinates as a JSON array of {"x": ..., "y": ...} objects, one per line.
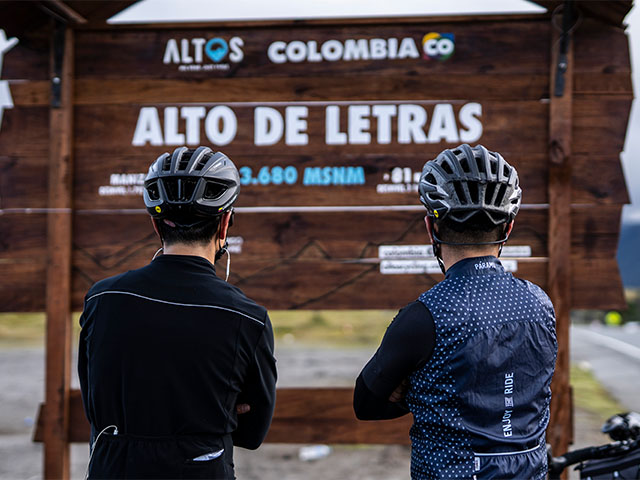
[
  {"x": 472, "y": 358},
  {"x": 176, "y": 366}
]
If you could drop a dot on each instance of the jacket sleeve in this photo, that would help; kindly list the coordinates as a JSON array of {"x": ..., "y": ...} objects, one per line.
[
  {"x": 406, "y": 346},
  {"x": 83, "y": 360},
  {"x": 259, "y": 391}
]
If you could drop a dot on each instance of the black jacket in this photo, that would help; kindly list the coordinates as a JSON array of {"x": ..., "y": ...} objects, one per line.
[{"x": 166, "y": 352}]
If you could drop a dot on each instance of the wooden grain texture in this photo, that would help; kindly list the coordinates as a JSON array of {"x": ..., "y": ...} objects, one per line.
[
  {"x": 596, "y": 180},
  {"x": 481, "y": 47},
  {"x": 589, "y": 187},
  {"x": 25, "y": 132},
  {"x": 599, "y": 128},
  {"x": 309, "y": 284},
  {"x": 560, "y": 276},
  {"x": 284, "y": 235},
  {"x": 324, "y": 87},
  {"x": 106, "y": 245},
  {"x": 29, "y": 59},
  {"x": 302, "y": 415},
  {"x": 483, "y": 87},
  {"x": 58, "y": 291}
]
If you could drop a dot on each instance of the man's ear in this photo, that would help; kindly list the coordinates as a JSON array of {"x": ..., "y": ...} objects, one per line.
[
  {"x": 428, "y": 221},
  {"x": 224, "y": 226},
  {"x": 507, "y": 231}
]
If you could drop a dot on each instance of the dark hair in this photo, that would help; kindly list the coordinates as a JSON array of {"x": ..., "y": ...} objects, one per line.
[
  {"x": 478, "y": 229},
  {"x": 200, "y": 233}
]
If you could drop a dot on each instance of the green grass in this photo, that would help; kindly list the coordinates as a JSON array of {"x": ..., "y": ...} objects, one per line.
[
  {"x": 27, "y": 329},
  {"x": 340, "y": 328},
  {"x": 300, "y": 327},
  {"x": 590, "y": 395}
]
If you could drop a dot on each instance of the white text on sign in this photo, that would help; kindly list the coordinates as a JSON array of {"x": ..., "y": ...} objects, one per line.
[{"x": 361, "y": 124}]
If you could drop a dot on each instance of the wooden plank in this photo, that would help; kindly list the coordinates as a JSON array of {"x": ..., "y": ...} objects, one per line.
[
  {"x": 315, "y": 283},
  {"x": 502, "y": 124},
  {"x": 559, "y": 271},
  {"x": 31, "y": 93},
  {"x": 290, "y": 238},
  {"x": 25, "y": 292},
  {"x": 600, "y": 48},
  {"x": 23, "y": 181},
  {"x": 29, "y": 59},
  {"x": 480, "y": 47},
  {"x": 25, "y": 132},
  {"x": 24, "y": 237},
  {"x": 599, "y": 128},
  {"x": 597, "y": 285},
  {"x": 599, "y": 125},
  {"x": 92, "y": 91},
  {"x": 302, "y": 415},
  {"x": 58, "y": 295},
  {"x": 595, "y": 180},
  {"x": 329, "y": 88},
  {"x": 283, "y": 235}
]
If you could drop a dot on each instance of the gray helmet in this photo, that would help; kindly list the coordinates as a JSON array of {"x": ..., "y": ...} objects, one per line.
[
  {"x": 463, "y": 181},
  {"x": 191, "y": 183}
]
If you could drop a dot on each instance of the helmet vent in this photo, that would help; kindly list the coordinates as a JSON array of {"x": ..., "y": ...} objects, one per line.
[
  {"x": 431, "y": 179},
  {"x": 184, "y": 159},
  {"x": 465, "y": 165},
  {"x": 166, "y": 165},
  {"x": 473, "y": 191},
  {"x": 214, "y": 190},
  {"x": 494, "y": 167},
  {"x": 188, "y": 187},
  {"x": 488, "y": 194},
  {"x": 202, "y": 162},
  {"x": 180, "y": 189},
  {"x": 183, "y": 163},
  {"x": 152, "y": 191},
  {"x": 460, "y": 192},
  {"x": 505, "y": 171},
  {"x": 447, "y": 168},
  {"x": 500, "y": 196},
  {"x": 480, "y": 165}
]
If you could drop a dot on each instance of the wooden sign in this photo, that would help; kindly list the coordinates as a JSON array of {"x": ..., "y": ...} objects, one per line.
[{"x": 313, "y": 117}]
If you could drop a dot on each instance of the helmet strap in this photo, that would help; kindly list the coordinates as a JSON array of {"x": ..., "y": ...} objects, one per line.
[
  {"x": 436, "y": 243},
  {"x": 224, "y": 249},
  {"x": 438, "y": 255}
]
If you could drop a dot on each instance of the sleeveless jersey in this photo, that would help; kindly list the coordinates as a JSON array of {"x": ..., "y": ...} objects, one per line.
[{"x": 481, "y": 403}]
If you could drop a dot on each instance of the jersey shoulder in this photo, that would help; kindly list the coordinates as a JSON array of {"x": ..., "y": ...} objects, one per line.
[
  {"x": 106, "y": 284},
  {"x": 538, "y": 293},
  {"x": 240, "y": 301}
]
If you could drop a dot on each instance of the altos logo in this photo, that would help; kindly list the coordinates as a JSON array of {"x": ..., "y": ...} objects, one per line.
[
  {"x": 438, "y": 46},
  {"x": 196, "y": 54},
  {"x": 360, "y": 49}
]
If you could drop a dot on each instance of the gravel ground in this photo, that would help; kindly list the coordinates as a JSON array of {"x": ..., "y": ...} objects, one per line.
[{"x": 21, "y": 390}]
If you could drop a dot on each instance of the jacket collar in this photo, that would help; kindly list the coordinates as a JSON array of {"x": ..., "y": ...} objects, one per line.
[{"x": 475, "y": 266}]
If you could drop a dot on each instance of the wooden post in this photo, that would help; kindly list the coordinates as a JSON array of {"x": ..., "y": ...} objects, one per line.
[
  {"x": 59, "y": 228},
  {"x": 560, "y": 433}
]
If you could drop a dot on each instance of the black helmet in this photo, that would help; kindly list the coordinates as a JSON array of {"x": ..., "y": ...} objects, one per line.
[
  {"x": 463, "y": 181},
  {"x": 191, "y": 183}
]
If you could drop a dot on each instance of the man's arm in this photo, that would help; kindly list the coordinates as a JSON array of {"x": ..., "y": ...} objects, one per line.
[
  {"x": 259, "y": 392},
  {"x": 83, "y": 359},
  {"x": 406, "y": 347}
]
